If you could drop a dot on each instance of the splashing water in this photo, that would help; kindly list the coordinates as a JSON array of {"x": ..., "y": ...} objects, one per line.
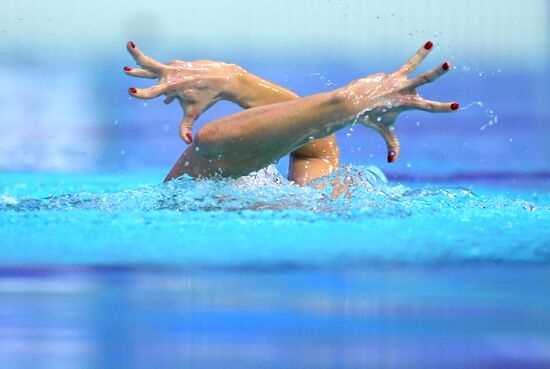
[
  {"x": 348, "y": 190},
  {"x": 326, "y": 82},
  {"x": 352, "y": 216},
  {"x": 492, "y": 117}
]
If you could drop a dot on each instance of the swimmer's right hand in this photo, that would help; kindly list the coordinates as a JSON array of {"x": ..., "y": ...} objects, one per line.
[{"x": 197, "y": 85}]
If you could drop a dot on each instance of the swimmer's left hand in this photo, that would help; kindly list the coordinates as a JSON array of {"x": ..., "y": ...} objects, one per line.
[{"x": 197, "y": 85}]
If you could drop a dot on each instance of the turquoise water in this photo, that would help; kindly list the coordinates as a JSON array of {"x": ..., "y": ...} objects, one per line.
[
  {"x": 112, "y": 271},
  {"x": 264, "y": 220}
]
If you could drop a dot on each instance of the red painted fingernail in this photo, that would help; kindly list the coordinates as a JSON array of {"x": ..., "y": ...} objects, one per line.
[
  {"x": 391, "y": 156},
  {"x": 132, "y": 45},
  {"x": 127, "y": 69},
  {"x": 189, "y": 137},
  {"x": 445, "y": 66},
  {"x": 428, "y": 45},
  {"x": 454, "y": 106},
  {"x": 132, "y": 90}
]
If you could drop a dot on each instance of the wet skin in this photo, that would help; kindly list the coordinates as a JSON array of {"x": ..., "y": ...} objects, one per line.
[{"x": 277, "y": 122}]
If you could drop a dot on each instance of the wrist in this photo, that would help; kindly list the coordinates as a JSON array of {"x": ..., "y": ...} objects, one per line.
[
  {"x": 233, "y": 83},
  {"x": 249, "y": 90},
  {"x": 362, "y": 101},
  {"x": 350, "y": 104}
]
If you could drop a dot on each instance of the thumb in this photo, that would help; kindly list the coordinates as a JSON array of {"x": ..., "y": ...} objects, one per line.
[
  {"x": 388, "y": 133},
  {"x": 191, "y": 114},
  {"x": 186, "y": 128},
  {"x": 387, "y": 130}
]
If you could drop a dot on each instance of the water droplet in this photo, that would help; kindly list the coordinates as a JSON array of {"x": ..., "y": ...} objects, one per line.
[
  {"x": 122, "y": 152},
  {"x": 115, "y": 123},
  {"x": 418, "y": 124}
]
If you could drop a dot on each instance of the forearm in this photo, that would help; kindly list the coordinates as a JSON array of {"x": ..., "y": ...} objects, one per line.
[
  {"x": 249, "y": 91},
  {"x": 254, "y": 138},
  {"x": 312, "y": 160},
  {"x": 257, "y": 137}
]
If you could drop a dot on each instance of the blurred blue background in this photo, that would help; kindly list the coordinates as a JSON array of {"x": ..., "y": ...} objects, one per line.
[{"x": 64, "y": 105}]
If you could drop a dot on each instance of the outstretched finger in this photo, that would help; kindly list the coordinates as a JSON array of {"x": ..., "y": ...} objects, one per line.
[
  {"x": 148, "y": 93},
  {"x": 141, "y": 73},
  {"x": 416, "y": 59},
  {"x": 434, "y": 106},
  {"x": 145, "y": 61},
  {"x": 429, "y": 76}
]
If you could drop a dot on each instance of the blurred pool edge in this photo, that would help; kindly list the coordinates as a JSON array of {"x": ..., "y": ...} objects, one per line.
[{"x": 45, "y": 270}]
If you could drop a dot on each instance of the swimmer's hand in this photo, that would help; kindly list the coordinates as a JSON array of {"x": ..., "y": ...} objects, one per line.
[
  {"x": 197, "y": 85},
  {"x": 388, "y": 95}
]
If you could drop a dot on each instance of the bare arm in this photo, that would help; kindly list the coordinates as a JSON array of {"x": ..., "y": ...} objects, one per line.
[
  {"x": 252, "y": 139},
  {"x": 312, "y": 160},
  {"x": 200, "y": 84}
]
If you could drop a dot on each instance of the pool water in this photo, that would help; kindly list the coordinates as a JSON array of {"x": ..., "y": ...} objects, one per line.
[
  {"x": 264, "y": 220},
  {"x": 111, "y": 271}
]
